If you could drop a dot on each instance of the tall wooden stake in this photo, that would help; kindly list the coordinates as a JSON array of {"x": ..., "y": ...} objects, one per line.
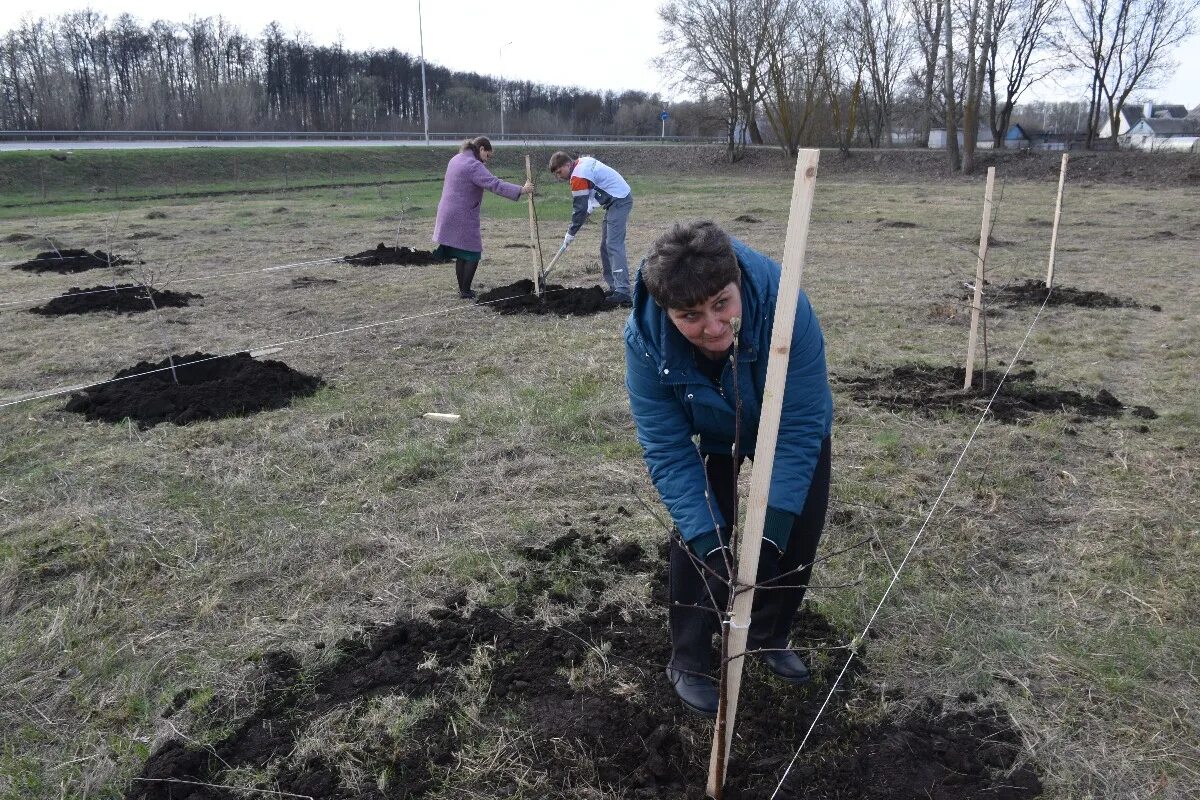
[
  {"x": 1062, "y": 178},
  {"x": 984, "y": 233},
  {"x": 764, "y": 459},
  {"x": 535, "y": 238}
]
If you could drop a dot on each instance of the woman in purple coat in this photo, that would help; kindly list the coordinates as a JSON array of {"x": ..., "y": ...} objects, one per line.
[{"x": 457, "y": 228}]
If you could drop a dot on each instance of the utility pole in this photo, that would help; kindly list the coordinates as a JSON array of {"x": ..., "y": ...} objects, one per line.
[
  {"x": 506, "y": 44},
  {"x": 424, "y": 91}
]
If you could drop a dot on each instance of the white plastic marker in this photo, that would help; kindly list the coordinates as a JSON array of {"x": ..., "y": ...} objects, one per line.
[{"x": 441, "y": 417}]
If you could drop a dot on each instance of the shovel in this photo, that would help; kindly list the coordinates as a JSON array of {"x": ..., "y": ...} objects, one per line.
[{"x": 550, "y": 267}]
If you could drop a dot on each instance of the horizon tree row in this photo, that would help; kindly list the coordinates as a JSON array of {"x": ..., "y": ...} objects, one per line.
[{"x": 81, "y": 70}]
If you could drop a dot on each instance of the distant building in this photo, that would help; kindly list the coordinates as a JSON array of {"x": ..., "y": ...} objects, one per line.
[
  {"x": 1026, "y": 137},
  {"x": 1131, "y": 115},
  {"x": 937, "y": 139},
  {"x": 1156, "y": 134}
]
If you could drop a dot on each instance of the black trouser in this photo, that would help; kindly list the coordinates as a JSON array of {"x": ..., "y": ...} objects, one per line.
[{"x": 692, "y": 629}]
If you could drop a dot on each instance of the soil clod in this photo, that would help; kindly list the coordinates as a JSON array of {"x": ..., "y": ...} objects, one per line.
[
  {"x": 125, "y": 298},
  {"x": 519, "y": 298},
  {"x": 68, "y": 261},
  {"x": 932, "y": 389},
  {"x": 1033, "y": 292},
  {"x": 209, "y": 387},
  {"x": 383, "y": 254}
]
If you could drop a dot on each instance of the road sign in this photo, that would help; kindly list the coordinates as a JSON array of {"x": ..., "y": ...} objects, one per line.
[{"x": 664, "y": 116}]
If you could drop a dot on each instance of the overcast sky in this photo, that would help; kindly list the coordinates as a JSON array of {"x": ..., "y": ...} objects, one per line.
[{"x": 606, "y": 45}]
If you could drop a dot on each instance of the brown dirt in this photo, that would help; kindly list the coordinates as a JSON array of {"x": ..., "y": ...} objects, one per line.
[
  {"x": 1033, "y": 293},
  {"x": 383, "y": 254},
  {"x": 933, "y": 389},
  {"x": 216, "y": 387},
  {"x": 519, "y": 298},
  {"x": 68, "y": 261},
  {"x": 124, "y": 298},
  {"x": 635, "y": 743}
]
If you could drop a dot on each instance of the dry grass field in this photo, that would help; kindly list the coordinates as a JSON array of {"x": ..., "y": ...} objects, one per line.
[{"x": 146, "y": 576}]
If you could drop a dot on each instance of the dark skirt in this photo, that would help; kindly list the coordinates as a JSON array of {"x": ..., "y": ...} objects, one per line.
[{"x": 449, "y": 253}]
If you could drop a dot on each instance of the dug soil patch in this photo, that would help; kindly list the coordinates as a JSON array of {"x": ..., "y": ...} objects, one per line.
[
  {"x": 125, "y": 298},
  {"x": 209, "y": 387},
  {"x": 394, "y": 255},
  {"x": 519, "y": 298},
  {"x": 934, "y": 389},
  {"x": 68, "y": 261},
  {"x": 1033, "y": 292},
  {"x": 582, "y": 709}
]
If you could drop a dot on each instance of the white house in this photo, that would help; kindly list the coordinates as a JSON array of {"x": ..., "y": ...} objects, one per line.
[
  {"x": 1165, "y": 134},
  {"x": 937, "y": 139},
  {"x": 1132, "y": 115}
]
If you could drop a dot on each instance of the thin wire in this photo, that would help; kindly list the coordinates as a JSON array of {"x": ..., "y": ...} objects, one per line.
[
  {"x": 912, "y": 547},
  {"x": 447, "y": 311}
]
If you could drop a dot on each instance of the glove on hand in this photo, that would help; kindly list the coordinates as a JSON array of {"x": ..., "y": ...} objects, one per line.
[
  {"x": 768, "y": 571},
  {"x": 570, "y": 237}
]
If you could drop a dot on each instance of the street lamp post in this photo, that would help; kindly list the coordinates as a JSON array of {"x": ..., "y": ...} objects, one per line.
[
  {"x": 424, "y": 91},
  {"x": 506, "y": 44}
]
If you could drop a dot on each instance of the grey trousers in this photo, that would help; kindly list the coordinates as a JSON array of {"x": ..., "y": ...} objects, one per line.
[{"x": 612, "y": 246}]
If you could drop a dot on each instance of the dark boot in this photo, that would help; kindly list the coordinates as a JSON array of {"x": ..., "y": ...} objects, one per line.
[
  {"x": 466, "y": 275},
  {"x": 787, "y": 665},
  {"x": 698, "y": 692}
]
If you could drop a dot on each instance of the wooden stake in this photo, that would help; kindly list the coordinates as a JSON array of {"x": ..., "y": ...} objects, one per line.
[
  {"x": 984, "y": 234},
  {"x": 1062, "y": 178},
  {"x": 535, "y": 238},
  {"x": 764, "y": 458}
]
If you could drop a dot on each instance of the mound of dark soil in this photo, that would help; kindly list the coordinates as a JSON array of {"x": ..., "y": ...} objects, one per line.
[
  {"x": 933, "y": 389},
  {"x": 67, "y": 261},
  {"x": 209, "y": 387},
  {"x": 125, "y": 298},
  {"x": 394, "y": 255},
  {"x": 746, "y": 218},
  {"x": 519, "y": 298},
  {"x": 1033, "y": 292},
  {"x": 618, "y": 729}
]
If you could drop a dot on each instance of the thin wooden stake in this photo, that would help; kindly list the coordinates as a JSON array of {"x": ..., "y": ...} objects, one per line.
[
  {"x": 535, "y": 238},
  {"x": 1062, "y": 178},
  {"x": 764, "y": 459},
  {"x": 976, "y": 304}
]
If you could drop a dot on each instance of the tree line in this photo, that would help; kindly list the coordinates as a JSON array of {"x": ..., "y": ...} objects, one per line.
[
  {"x": 83, "y": 71},
  {"x": 873, "y": 72}
]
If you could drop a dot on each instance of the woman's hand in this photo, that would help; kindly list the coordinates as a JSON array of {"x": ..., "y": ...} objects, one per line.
[{"x": 527, "y": 188}]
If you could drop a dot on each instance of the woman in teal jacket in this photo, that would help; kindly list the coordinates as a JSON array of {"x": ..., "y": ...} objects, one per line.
[{"x": 696, "y": 294}]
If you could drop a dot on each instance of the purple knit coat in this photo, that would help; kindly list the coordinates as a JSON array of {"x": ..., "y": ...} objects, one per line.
[{"x": 457, "y": 222}]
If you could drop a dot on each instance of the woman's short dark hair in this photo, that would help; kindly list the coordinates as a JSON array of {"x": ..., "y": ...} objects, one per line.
[
  {"x": 475, "y": 145},
  {"x": 558, "y": 160},
  {"x": 689, "y": 264}
]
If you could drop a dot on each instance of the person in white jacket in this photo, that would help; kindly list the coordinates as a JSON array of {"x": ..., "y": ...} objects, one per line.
[{"x": 595, "y": 184}]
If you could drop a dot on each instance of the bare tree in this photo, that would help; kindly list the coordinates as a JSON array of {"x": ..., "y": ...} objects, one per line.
[
  {"x": 1020, "y": 56},
  {"x": 1125, "y": 45},
  {"x": 928, "y": 16},
  {"x": 720, "y": 45},
  {"x": 948, "y": 90},
  {"x": 886, "y": 45},
  {"x": 979, "y": 22},
  {"x": 795, "y": 52},
  {"x": 841, "y": 74}
]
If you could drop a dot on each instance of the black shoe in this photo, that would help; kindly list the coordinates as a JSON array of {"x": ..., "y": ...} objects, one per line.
[
  {"x": 467, "y": 294},
  {"x": 698, "y": 693},
  {"x": 787, "y": 665},
  {"x": 618, "y": 299}
]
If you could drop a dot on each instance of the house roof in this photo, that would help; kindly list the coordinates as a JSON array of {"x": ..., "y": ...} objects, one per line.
[
  {"x": 1171, "y": 127},
  {"x": 1133, "y": 114}
]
